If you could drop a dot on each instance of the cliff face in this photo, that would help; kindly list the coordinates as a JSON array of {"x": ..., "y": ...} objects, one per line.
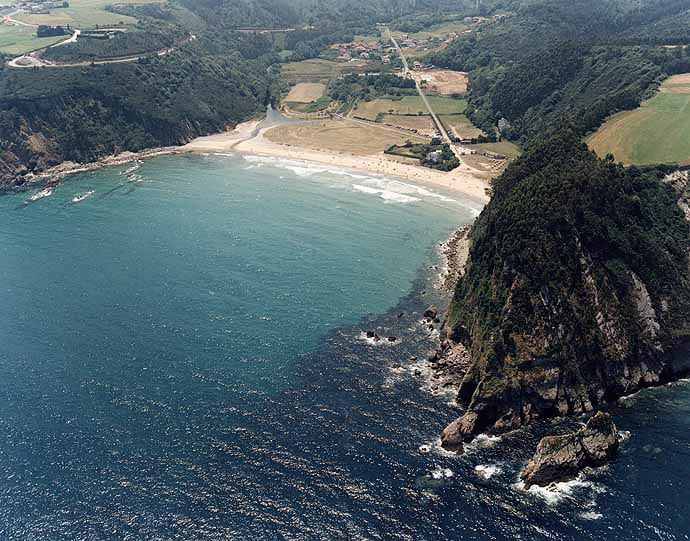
[{"x": 577, "y": 290}]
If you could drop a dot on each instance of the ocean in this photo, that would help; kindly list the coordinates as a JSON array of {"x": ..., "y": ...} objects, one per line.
[{"x": 183, "y": 355}]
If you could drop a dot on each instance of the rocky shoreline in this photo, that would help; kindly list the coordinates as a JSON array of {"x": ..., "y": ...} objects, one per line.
[
  {"x": 454, "y": 253},
  {"x": 449, "y": 361},
  {"x": 53, "y": 175},
  {"x": 557, "y": 458},
  {"x": 527, "y": 370}
]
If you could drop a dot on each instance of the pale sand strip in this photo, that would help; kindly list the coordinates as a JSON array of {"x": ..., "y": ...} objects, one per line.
[{"x": 242, "y": 140}]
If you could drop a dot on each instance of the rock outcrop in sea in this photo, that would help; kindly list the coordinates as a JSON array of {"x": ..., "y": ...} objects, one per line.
[
  {"x": 560, "y": 458},
  {"x": 576, "y": 291}
]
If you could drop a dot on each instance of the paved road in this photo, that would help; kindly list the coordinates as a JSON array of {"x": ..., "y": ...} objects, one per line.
[
  {"x": 9, "y": 18},
  {"x": 406, "y": 73},
  {"x": 33, "y": 60}
]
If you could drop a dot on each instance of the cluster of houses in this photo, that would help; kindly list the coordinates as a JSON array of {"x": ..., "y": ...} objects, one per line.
[
  {"x": 363, "y": 49},
  {"x": 478, "y": 19},
  {"x": 41, "y": 6},
  {"x": 378, "y": 51}
]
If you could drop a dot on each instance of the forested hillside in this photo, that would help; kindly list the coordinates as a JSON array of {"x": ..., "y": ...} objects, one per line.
[
  {"x": 576, "y": 291},
  {"x": 575, "y": 62}
]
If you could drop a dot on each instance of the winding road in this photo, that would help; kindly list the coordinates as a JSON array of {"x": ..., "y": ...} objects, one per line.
[{"x": 34, "y": 60}]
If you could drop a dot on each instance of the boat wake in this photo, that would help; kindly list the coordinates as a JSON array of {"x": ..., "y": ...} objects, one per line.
[{"x": 82, "y": 197}]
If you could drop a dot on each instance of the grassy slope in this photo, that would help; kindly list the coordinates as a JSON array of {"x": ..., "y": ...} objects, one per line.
[
  {"x": 318, "y": 69},
  {"x": 21, "y": 39},
  {"x": 657, "y": 132}
]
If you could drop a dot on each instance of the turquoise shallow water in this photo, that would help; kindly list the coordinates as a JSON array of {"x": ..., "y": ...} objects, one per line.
[{"x": 181, "y": 358}]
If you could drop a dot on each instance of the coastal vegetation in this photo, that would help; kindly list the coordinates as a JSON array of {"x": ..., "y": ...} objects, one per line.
[{"x": 440, "y": 157}]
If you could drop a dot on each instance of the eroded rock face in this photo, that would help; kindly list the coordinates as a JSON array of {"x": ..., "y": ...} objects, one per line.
[
  {"x": 557, "y": 320},
  {"x": 559, "y": 458}
]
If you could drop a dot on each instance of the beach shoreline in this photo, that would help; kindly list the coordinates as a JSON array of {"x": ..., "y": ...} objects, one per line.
[
  {"x": 248, "y": 138},
  {"x": 460, "y": 180}
]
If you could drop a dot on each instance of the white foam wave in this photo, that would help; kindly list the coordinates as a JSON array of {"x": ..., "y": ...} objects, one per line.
[
  {"x": 373, "y": 184},
  {"x": 434, "y": 447},
  {"x": 487, "y": 471},
  {"x": 386, "y": 195},
  {"x": 410, "y": 189},
  {"x": 482, "y": 441},
  {"x": 556, "y": 493},
  {"x": 441, "y": 473},
  {"x": 47, "y": 192},
  {"x": 298, "y": 167},
  {"x": 591, "y": 515},
  {"x": 377, "y": 340},
  {"x": 80, "y": 198}
]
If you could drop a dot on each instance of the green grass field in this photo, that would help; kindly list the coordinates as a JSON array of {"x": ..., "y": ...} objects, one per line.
[
  {"x": 435, "y": 31},
  {"x": 506, "y": 148},
  {"x": 17, "y": 40},
  {"x": 81, "y": 14},
  {"x": 462, "y": 125},
  {"x": 409, "y": 105},
  {"x": 656, "y": 132},
  {"x": 320, "y": 70}
]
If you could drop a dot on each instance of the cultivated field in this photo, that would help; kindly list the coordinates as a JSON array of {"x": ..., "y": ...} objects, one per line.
[
  {"x": 340, "y": 136},
  {"x": 490, "y": 165},
  {"x": 422, "y": 123},
  {"x": 435, "y": 31},
  {"x": 306, "y": 92},
  {"x": 656, "y": 132},
  {"x": 461, "y": 125},
  {"x": 414, "y": 54},
  {"x": 81, "y": 14},
  {"x": 444, "y": 82},
  {"x": 16, "y": 40},
  {"x": 502, "y": 147},
  {"x": 319, "y": 70},
  {"x": 409, "y": 105}
]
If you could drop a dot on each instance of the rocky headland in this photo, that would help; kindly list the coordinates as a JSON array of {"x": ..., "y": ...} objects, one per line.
[{"x": 576, "y": 292}]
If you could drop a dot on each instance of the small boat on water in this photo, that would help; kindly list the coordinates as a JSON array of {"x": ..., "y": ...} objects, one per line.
[
  {"x": 46, "y": 192},
  {"x": 80, "y": 198}
]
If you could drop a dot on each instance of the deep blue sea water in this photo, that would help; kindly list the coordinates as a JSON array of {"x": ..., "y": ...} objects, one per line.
[{"x": 181, "y": 357}]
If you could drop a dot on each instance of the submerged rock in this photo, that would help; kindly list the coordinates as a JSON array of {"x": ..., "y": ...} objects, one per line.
[
  {"x": 559, "y": 458},
  {"x": 431, "y": 312}
]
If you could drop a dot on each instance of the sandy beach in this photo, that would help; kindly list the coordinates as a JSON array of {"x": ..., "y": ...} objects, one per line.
[{"x": 247, "y": 138}]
